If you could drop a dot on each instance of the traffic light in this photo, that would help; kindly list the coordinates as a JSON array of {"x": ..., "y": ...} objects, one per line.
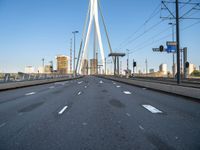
[
  {"x": 134, "y": 64},
  {"x": 161, "y": 48},
  {"x": 187, "y": 64}
]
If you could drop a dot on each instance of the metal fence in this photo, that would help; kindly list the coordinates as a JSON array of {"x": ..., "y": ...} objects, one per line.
[{"x": 19, "y": 77}]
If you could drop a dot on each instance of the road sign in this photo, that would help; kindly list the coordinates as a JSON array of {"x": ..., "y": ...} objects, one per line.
[{"x": 171, "y": 47}]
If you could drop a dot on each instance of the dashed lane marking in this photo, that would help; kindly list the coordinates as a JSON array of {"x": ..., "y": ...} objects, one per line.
[
  {"x": 100, "y": 82},
  {"x": 79, "y": 93},
  {"x": 80, "y": 82},
  {"x": 152, "y": 109},
  {"x": 62, "y": 110},
  {"x": 31, "y": 93},
  {"x": 51, "y": 87},
  {"x": 128, "y": 114},
  {"x": 141, "y": 127},
  {"x": 127, "y": 92},
  {"x": 118, "y": 86},
  {"x": 3, "y": 124}
]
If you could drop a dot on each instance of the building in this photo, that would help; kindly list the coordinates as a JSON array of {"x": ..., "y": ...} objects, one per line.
[
  {"x": 191, "y": 69},
  {"x": 29, "y": 69},
  {"x": 62, "y": 64},
  {"x": 48, "y": 69},
  {"x": 93, "y": 66},
  {"x": 151, "y": 71},
  {"x": 84, "y": 70},
  {"x": 163, "y": 69}
]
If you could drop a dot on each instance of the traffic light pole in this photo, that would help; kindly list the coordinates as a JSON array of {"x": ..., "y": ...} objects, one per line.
[{"x": 178, "y": 43}]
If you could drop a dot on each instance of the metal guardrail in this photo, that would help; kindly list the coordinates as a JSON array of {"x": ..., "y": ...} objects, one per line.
[{"x": 20, "y": 77}]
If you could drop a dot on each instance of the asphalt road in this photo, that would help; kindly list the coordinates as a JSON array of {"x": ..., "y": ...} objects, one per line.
[{"x": 97, "y": 114}]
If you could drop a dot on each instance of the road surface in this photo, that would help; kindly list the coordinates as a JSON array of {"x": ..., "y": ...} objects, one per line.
[{"x": 97, "y": 114}]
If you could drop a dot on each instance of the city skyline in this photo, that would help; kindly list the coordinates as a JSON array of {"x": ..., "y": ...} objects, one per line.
[{"x": 32, "y": 30}]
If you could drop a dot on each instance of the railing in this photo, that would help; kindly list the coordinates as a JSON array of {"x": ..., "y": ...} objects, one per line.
[{"x": 19, "y": 77}]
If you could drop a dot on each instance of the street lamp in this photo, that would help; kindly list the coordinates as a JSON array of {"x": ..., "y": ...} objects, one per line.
[
  {"x": 74, "y": 32},
  {"x": 173, "y": 54}
]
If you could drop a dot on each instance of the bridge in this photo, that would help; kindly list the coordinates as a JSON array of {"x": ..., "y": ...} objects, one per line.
[{"x": 98, "y": 112}]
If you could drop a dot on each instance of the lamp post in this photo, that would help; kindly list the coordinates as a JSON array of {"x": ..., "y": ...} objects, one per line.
[
  {"x": 173, "y": 54},
  {"x": 74, "y": 32}
]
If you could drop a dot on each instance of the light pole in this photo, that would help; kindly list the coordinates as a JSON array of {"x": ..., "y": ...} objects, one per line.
[
  {"x": 74, "y": 32},
  {"x": 127, "y": 59},
  {"x": 173, "y": 54}
]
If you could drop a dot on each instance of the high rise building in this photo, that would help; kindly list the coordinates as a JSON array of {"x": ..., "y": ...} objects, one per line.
[
  {"x": 84, "y": 70},
  {"x": 163, "y": 69},
  {"x": 62, "y": 64},
  {"x": 93, "y": 66}
]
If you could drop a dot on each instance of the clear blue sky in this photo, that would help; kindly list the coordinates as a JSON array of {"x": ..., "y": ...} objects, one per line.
[{"x": 34, "y": 29}]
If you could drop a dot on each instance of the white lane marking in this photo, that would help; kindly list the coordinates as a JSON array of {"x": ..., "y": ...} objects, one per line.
[
  {"x": 85, "y": 87},
  {"x": 118, "y": 86},
  {"x": 80, "y": 82},
  {"x": 3, "y": 124},
  {"x": 100, "y": 82},
  {"x": 84, "y": 124},
  {"x": 144, "y": 88},
  {"x": 152, "y": 109},
  {"x": 114, "y": 83},
  {"x": 141, "y": 127},
  {"x": 128, "y": 114},
  {"x": 28, "y": 94},
  {"x": 79, "y": 93},
  {"x": 62, "y": 110},
  {"x": 127, "y": 92},
  {"x": 51, "y": 87}
]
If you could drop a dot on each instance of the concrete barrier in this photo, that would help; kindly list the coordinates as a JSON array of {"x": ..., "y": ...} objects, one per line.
[
  {"x": 15, "y": 85},
  {"x": 174, "y": 89}
]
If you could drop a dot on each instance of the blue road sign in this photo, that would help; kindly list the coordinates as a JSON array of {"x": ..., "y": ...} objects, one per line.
[{"x": 171, "y": 47}]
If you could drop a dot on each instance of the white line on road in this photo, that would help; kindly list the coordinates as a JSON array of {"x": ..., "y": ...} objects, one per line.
[
  {"x": 141, "y": 127},
  {"x": 144, "y": 88},
  {"x": 114, "y": 83},
  {"x": 85, "y": 87},
  {"x": 118, "y": 86},
  {"x": 64, "y": 108},
  {"x": 100, "y": 82},
  {"x": 79, "y": 93},
  {"x": 3, "y": 124},
  {"x": 28, "y": 94},
  {"x": 51, "y": 87},
  {"x": 80, "y": 82},
  {"x": 152, "y": 109},
  {"x": 127, "y": 92},
  {"x": 128, "y": 114}
]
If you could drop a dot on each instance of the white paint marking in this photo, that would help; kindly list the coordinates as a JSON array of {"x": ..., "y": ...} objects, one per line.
[
  {"x": 85, "y": 87},
  {"x": 28, "y": 94},
  {"x": 84, "y": 123},
  {"x": 141, "y": 127},
  {"x": 144, "y": 88},
  {"x": 64, "y": 108},
  {"x": 79, "y": 93},
  {"x": 114, "y": 83},
  {"x": 152, "y": 109},
  {"x": 100, "y": 82},
  {"x": 127, "y": 92},
  {"x": 118, "y": 86},
  {"x": 52, "y": 87},
  {"x": 80, "y": 82},
  {"x": 128, "y": 114},
  {"x": 3, "y": 124}
]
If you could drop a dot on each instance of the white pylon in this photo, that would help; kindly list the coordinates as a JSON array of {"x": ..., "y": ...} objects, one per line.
[{"x": 94, "y": 18}]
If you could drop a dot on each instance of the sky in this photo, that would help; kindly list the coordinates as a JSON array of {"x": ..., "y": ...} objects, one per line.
[{"x": 34, "y": 29}]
